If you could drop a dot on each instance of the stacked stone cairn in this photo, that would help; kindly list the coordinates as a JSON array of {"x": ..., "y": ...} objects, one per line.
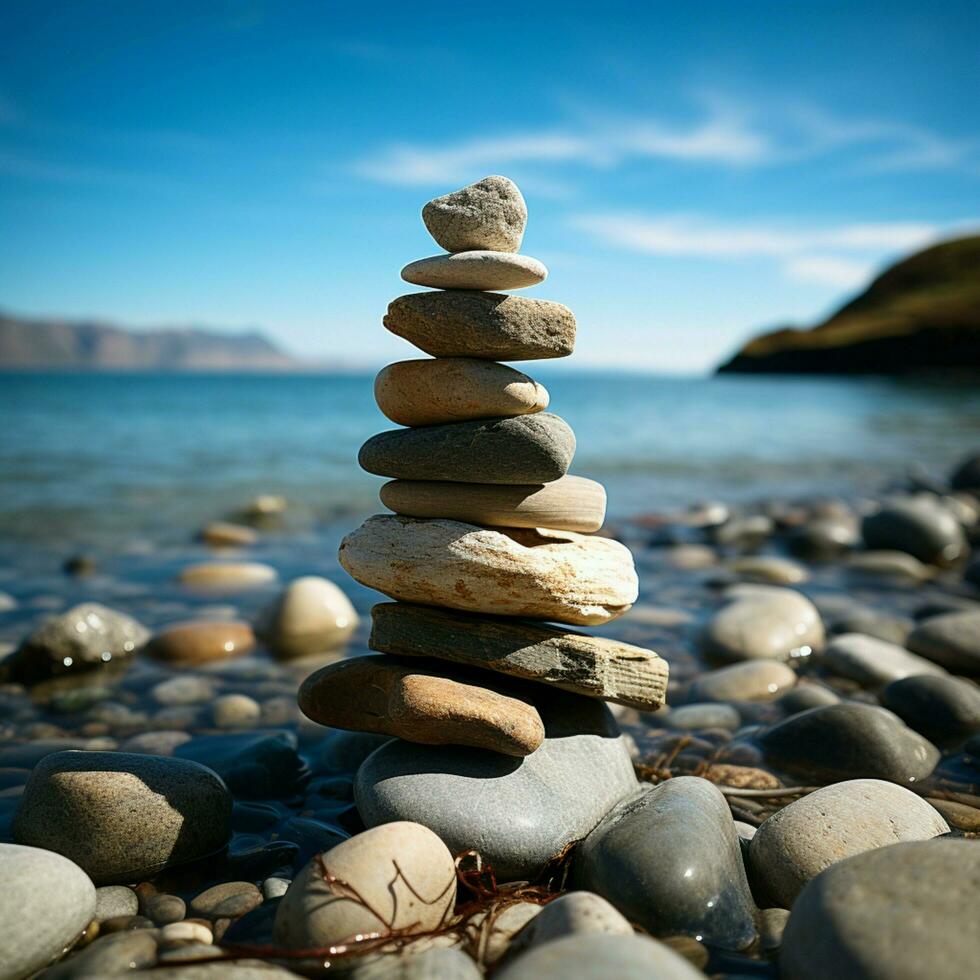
[{"x": 491, "y": 541}]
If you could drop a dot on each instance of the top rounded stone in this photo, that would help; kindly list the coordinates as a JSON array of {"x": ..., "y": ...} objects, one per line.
[{"x": 490, "y": 214}]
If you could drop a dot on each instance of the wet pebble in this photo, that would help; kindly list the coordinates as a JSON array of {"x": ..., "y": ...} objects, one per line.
[
  {"x": 693, "y": 717},
  {"x": 951, "y": 640},
  {"x": 113, "y": 900},
  {"x": 574, "y": 913},
  {"x": 164, "y": 909},
  {"x": 872, "y": 662},
  {"x": 206, "y": 641},
  {"x": 919, "y": 526},
  {"x": 753, "y": 680},
  {"x": 235, "y": 711},
  {"x": 227, "y": 901},
  {"x": 944, "y": 709}
]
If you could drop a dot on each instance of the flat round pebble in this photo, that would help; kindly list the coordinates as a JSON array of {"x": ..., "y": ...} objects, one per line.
[
  {"x": 164, "y": 909},
  {"x": 753, "y": 680},
  {"x": 476, "y": 269},
  {"x": 201, "y": 642},
  {"x": 691, "y": 717},
  {"x": 235, "y": 711},
  {"x": 227, "y": 576},
  {"x": 227, "y": 901}
]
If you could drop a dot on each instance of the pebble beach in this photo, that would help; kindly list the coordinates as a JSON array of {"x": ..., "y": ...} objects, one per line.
[{"x": 732, "y": 737}]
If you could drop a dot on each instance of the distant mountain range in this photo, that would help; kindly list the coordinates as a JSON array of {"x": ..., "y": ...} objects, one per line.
[
  {"x": 922, "y": 315},
  {"x": 88, "y": 345}
]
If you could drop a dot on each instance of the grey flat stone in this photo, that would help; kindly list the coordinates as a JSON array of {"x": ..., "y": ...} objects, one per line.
[
  {"x": 495, "y": 326},
  {"x": 124, "y": 817},
  {"x": 670, "y": 860},
  {"x": 517, "y": 813},
  {"x": 524, "y": 449},
  {"x": 849, "y": 741},
  {"x": 431, "y": 964},
  {"x": 113, "y": 900},
  {"x": 480, "y": 269},
  {"x": 943, "y": 709},
  {"x": 951, "y": 640},
  {"x": 871, "y": 661},
  {"x": 904, "y": 912},
  {"x": 45, "y": 903},
  {"x": 799, "y": 841},
  {"x": 490, "y": 214}
]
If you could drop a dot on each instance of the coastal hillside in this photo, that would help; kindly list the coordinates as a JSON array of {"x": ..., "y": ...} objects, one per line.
[
  {"x": 27, "y": 343},
  {"x": 921, "y": 315}
]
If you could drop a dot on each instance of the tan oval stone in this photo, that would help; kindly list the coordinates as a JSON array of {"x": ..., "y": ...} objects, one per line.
[
  {"x": 311, "y": 615},
  {"x": 571, "y": 503},
  {"x": 402, "y": 871},
  {"x": 200, "y": 642},
  {"x": 379, "y": 694},
  {"x": 751, "y": 680},
  {"x": 535, "y": 573},
  {"x": 221, "y": 534},
  {"x": 455, "y": 389},
  {"x": 476, "y": 270},
  {"x": 220, "y": 576}
]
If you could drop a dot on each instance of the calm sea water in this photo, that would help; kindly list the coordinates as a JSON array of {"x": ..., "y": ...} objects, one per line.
[{"x": 93, "y": 458}]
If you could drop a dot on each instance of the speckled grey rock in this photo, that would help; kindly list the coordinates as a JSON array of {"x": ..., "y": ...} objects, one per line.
[
  {"x": 903, "y": 912},
  {"x": 402, "y": 871},
  {"x": 495, "y": 326},
  {"x": 951, "y": 640},
  {"x": 524, "y": 449},
  {"x": 587, "y": 957},
  {"x": 871, "y": 661},
  {"x": 45, "y": 903},
  {"x": 849, "y": 741},
  {"x": 766, "y": 623},
  {"x": 124, "y": 817},
  {"x": 430, "y": 964},
  {"x": 87, "y": 636},
  {"x": 917, "y": 525},
  {"x": 113, "y": 900},
  {"x": 835, "y": 822},
  {"x": 670, "y": 860},
  {"x": 571, "y": 914},
  {"x": 490, "y": 214},
  {"x": 943, "y": 709},
  {"x": 516, "y": 812},
  {"x": 482, "y": 269}
]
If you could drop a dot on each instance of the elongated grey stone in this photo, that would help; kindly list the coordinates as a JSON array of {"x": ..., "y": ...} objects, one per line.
[
  {"x": 591, "y": 665},
  {"x": 527, "y": 449},
  {"x": 467, "y": 323}
]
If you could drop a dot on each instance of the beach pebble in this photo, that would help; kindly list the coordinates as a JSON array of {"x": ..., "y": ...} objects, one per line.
[
  {"x": 124, "y": 817},
  {"x": 227, "y": 901},
  {"x": 571, "y": 914},
  {"x": 535, "y": 573},
  {"x": 772, "y": 925},
  {"x": 274, "y": 887},
  {"x": 871, "y": 622},
  {"x": 951, "y": 640},
  {"x": 944, "y": 709},
  {"x": 427, "y": 964},
  {"x": 525, "y": 449},
  {"x": 537, "y": 805},
  {"x": 87, "y": 636},
  {"x": 777, "y": 624},
  {"x": 966, "y": 475},
  {"x": 188, "y": 931},
  {"x": 582, "y": 664},
  {"x": 492, "y": 932},
  {"x": 692, "y": 717},
  {"x": 670, "y": 860},
  {"x": 752, "y": 680},
  {"x": 490, "y": 214},
  {"x": 255, "y": 765},
  {"x": 958, "y": 815},
  {"x": 768, "y": 569},
  {"x": 431, "y": 391},
  {"x": 241, "y": 969},
  {"x": 835, "y": 822},
  {"x": 401, "y": 870},
  {"x": 201, "y": 642},
  {"x": 310, "y": 615},
  {"x": 478, "y": 269},
  {"x": 235, "y": 711},
  {"x": 116, "y": 954},
  {"x": 222, "y": 534},
  {"x": 807, "y": 695},
  {"x": 919, "y": 526},
  {"x": 904, "y": 912},
  {"x": 849, "y": 741},
  {"x": 164, "y": 909},
  {"x": 491, "y": 326},
  {"x": 824, "y": 538},
  {"x": 586, "y": 957},
  {"x": 45, "y": 903},
  {"x": 226, "y": 576},
  {"x": 871, "y": 661},
  {"x": 431, "y": 706},
  {"x": 184, "y": 689},
  {"x": 113, "y": 900},
  {"x": 896, "y": 566},
  {"x": 570, "y": 503},
  {"x": 154, "y": 743}
]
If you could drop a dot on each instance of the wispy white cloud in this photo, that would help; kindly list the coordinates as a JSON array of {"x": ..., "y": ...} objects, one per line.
[
  {"x": 727, "y": 133},
  {"x": 840, "y": 255}
]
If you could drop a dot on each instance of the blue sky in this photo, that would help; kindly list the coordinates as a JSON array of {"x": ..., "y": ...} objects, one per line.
[{"x": 693, "y": 171}]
